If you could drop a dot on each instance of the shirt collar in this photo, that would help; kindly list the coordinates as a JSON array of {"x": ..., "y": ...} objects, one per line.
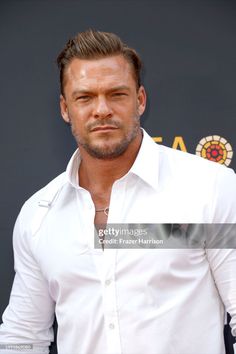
[
  {"x": 73, "y": 168},
  {"x": 145, "y": 165}
]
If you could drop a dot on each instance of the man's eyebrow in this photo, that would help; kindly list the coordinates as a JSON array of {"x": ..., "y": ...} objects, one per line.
[
  {"x": 119, "y": 88},
  {"x": 112, "y": 89},
  {"x": 79, "y": 92}
]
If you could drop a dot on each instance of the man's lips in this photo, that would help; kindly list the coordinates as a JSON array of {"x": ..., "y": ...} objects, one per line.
[{"x": 103, "y": 128}]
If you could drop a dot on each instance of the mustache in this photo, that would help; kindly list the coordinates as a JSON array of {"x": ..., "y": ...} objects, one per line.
[{"x": 100, "y": 123}]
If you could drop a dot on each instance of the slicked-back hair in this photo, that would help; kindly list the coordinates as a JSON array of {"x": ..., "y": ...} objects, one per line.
[{"x": 90, "y": 45}]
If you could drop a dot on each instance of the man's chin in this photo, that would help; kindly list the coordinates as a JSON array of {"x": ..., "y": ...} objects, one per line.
[
  {"x": 106, "y": 152},
  {"x": 108, "y": 147}
]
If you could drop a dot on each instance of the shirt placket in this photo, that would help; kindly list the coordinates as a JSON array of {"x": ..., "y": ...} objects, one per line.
[
  {"x": 111, "y": 313},
  {"x": 111, "y": 310}
]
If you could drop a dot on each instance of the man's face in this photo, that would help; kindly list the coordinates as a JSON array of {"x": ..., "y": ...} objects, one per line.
[{"x": 103, "y": 105}]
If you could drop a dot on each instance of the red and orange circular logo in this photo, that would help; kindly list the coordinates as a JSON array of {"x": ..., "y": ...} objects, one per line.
[{"x": 215, "y": 148}]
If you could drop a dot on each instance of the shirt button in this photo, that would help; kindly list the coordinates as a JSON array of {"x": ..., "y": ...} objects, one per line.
[
  {"x": 107, "y": 282},
  {"x": 111, "y": 326}
]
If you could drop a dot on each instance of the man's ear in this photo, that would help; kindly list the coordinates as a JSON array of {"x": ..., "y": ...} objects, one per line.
[
  {"x": 142, "y": 99},
  {"x": 64, "y": 110}
]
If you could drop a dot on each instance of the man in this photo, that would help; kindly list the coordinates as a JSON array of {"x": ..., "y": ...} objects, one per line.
[{"x": 110, "y": 301}]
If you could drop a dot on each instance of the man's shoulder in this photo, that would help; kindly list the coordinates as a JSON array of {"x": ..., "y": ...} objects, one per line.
[
  {"x": 48, "y": 189},
  {"x": 189, "y": 163},
  {"x": 43, "y": 198},
  {"x": 177, "y": 160}
]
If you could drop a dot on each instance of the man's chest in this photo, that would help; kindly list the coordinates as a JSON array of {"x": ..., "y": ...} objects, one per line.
[{"x": 64, "y": 245}]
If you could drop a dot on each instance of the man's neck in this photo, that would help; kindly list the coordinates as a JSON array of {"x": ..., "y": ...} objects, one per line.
[{"x": 100, "y": 174}]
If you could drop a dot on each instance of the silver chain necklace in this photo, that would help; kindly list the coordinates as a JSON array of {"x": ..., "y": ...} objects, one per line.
[{"x": 105, "y": 211}]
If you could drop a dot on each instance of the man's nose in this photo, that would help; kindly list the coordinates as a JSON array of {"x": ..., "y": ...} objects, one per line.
[{"x": 102, "y": 109}]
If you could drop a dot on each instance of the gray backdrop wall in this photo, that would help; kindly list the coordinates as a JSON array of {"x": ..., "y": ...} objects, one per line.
[{"x": 189, "y": 51}]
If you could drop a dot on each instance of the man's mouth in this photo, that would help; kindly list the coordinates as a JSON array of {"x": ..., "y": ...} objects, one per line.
[{"x": 103, "y": 128}]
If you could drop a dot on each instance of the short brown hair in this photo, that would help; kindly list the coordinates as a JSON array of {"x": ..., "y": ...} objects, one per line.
[{"x": 93, "y": 44}]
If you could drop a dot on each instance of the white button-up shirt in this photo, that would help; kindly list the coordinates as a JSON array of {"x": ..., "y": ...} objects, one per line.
[{"x": 125, "y": 301}]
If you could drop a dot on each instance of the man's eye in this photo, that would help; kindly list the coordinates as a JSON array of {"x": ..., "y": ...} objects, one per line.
[
  {"x": 119, "y": 94},
  {"x": 83, "y": 98}
]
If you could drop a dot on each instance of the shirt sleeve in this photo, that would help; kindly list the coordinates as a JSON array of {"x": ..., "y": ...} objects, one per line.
[
  {"x": 28, "y": 319},
  {"x": 223, "y": 261},
  {"x": 223, "y": 266}
]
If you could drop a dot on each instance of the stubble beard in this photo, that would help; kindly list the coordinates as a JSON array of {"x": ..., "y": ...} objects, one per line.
[{"x": 109, "y": 150}]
